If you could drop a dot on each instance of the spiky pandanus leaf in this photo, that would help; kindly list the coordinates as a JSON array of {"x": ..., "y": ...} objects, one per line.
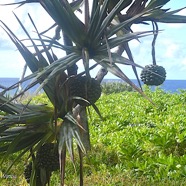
[{"x": 92, "y": 39}]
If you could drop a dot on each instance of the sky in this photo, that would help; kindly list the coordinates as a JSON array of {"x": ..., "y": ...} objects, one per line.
[{"x": 170, "y": 44}]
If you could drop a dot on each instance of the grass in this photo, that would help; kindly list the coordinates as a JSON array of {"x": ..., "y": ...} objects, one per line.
[{"x": 137, "y": 143}]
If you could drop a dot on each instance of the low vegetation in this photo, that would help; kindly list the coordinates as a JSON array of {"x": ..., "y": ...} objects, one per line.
[
  {"x": 136, "y": 143},
  {"x": 115, "y": 87}
]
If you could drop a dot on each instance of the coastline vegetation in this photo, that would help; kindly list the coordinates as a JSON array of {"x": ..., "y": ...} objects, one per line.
[{"x": 136, "y": 143}]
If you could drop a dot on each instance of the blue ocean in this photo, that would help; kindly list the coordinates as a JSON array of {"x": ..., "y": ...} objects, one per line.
[{"x": 172, "y": 86}]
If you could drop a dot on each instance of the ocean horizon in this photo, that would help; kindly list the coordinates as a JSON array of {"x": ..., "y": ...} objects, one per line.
[
  {"x": 172, "y": 86},
  {"x": 169, "y": 85}
]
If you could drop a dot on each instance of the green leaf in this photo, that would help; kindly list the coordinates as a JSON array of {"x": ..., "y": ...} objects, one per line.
[
  {"x": 173, "y": 19},
  {"x": 81, "y": 115},
  {"x": 41, "y": 58},
  {"x": 107, "y": 21},
  {"x": 9, "y": 107},
  {"x": 162, "y": 16},
  {"x": 129, "y": 21},
  {"x": 31, "y": 60},
  {"x": 34, "y": 64},
  {"x": 156, "y": 3},
  {"x": 41, "y": 62},
  {"x": 66, "y": 138},
  {"x": 11, "y": 147},
  {"x": 42, "y": 75},
  {"x": 68, "y": 131},
  {"x": 63, "y": 15},
  {"x": 85, "y": 56},
  {"x": 127, "y": 37},
  {"x": 115, "y": 70},
  {"x": 26, "y": 142},
  {"x": 96, "y": 21},
  {"x": 55, "y": 44},
  {"x": 55, "y": 69},
  {"x": 169, "y": 17}
]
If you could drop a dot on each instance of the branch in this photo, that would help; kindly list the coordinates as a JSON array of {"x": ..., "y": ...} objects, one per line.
[{"x": 155, "y": 31}]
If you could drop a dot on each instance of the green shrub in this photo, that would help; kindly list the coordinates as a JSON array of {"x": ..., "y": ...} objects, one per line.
[
  {"x": 115, "y": 87},
  {"x": 136, "y": 143}
]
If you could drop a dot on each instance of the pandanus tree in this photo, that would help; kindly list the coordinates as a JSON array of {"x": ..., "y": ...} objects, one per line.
[{"x": 48, "y": 132}]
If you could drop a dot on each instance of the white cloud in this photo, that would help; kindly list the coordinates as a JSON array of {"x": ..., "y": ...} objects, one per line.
[
  {"x": 171, "y": 50},
  {"x": 135, "y": 43},
  {"x": 42, "y": 20},
  {"x": 6, "y": 15},
  {"x": 10, "y": 64},
  {"x": 38, "y": 14},
  {"x": 176, "y": 25},
  {"x": 183, "y": 62},
  {"x": 182, "y": 12}
]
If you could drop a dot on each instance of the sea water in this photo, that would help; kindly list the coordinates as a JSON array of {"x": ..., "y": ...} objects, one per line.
[{"x": 172, "y": 86}]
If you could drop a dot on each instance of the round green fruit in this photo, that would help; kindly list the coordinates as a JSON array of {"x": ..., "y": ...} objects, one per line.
[
  {"x": 47, "y": 157},
  {"x": 85, "y": 91},
  {"x": 153, "y": 75}
]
